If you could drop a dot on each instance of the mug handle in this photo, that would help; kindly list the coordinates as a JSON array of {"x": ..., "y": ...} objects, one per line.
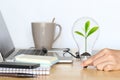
[{"x": 60, "y": 29}]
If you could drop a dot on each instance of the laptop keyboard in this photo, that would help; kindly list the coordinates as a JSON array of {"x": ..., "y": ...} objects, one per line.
[{"x": 31, "y": 52}]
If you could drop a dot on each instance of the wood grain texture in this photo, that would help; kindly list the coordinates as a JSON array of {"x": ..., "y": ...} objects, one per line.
[{"x": 73, "y": 72}]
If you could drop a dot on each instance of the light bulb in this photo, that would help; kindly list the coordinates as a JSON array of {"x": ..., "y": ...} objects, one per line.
[{"x": 85, "y": 32}]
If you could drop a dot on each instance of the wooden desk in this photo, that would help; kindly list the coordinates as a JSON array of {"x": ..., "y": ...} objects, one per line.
[{"x": 73, "y": 72}]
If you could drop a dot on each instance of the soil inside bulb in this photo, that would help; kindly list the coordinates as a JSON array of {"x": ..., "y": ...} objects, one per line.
[{"x": 85, "y": 54}]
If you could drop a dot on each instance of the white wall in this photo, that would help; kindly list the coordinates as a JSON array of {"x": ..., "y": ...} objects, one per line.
[{"x": 19, "y": 14}]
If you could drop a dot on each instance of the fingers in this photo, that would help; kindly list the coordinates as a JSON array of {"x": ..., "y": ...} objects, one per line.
[
  {"x": 100, "y": 60},
  {"x": 106, "y": 66},
  {"x": 96, "y": 56},
  {"x": 87, "y": 62},
  {"x": 106, "y": 59},
  {"x": 109, "y": 67},
  {"x": 100, "y": 53}
]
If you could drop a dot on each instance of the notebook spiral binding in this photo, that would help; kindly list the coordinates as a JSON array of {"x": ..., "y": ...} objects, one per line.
[{"x": 38, "y": 71}]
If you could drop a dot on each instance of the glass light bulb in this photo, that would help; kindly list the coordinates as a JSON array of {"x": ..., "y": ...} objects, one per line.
[{"x": 85, "y": 32}]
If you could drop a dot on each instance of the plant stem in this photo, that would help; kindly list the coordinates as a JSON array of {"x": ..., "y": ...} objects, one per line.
[{"x": 85, "y": 44}]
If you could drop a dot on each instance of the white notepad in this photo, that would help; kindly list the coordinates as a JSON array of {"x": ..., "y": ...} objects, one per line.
[{"x": 42, "y": 60}]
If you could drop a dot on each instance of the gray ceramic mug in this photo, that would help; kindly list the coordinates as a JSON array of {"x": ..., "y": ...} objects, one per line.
[{"x": 44, "y": 34}]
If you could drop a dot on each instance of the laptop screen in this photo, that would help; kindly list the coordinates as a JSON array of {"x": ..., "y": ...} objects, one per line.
[{"x": 6, "y": 44}]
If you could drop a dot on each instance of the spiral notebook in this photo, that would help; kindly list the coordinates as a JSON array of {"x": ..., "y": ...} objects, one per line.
[
  {"x": 28, "y": 68},
  {"x": 39, "y": 71}
]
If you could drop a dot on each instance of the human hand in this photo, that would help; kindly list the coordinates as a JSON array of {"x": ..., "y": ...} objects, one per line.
[{"x": 106, "y": 59}]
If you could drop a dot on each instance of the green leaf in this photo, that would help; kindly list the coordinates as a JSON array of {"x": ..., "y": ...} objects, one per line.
[
  {"x": 79, "y": 33},
  {"x": 92, "y": 30},
  {"x": 87, "y": 25}
]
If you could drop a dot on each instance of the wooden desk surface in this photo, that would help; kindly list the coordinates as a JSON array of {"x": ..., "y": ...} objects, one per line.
[{"x": 73, "y": 72}]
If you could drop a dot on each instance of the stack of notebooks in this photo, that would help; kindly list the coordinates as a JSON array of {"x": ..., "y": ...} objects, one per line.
[
  {"x": 28, "y": 65},
  {"x": 22, "y": 69}
]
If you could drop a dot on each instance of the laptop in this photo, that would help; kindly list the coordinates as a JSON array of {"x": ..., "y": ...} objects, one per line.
[
  {"x": 6, "y": 44},
  {"x": 7, "y": 48}
]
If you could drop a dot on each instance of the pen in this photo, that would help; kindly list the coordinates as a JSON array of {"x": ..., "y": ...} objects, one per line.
[{"x": 21, "y": 75}]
